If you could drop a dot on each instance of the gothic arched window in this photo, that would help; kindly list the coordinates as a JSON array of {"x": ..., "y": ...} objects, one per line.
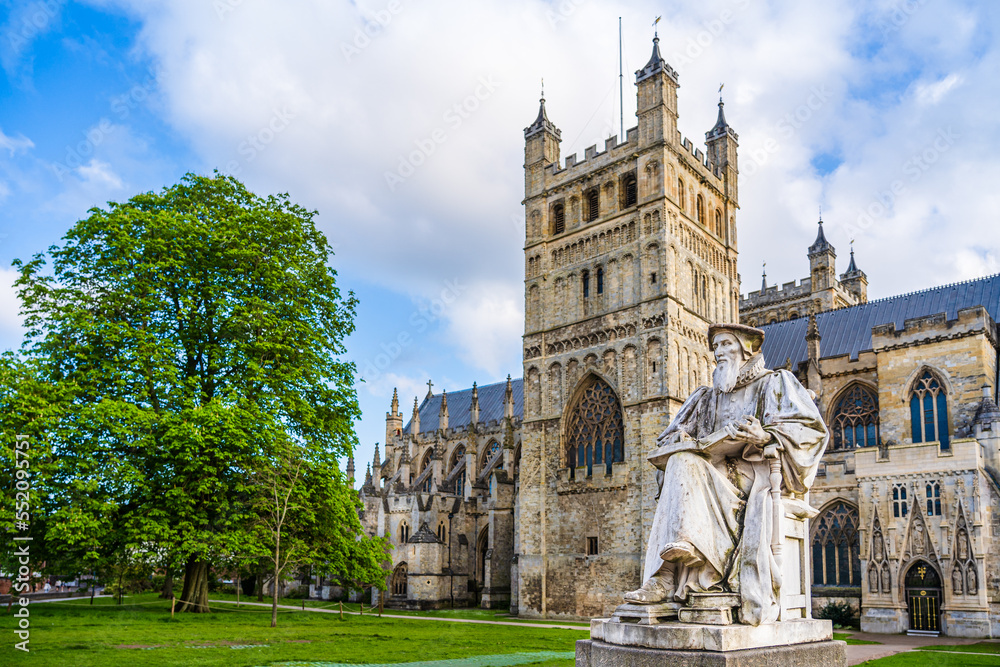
[
  {"x": 491, "y": 450},
  {"x": 399, "y": 581},
  {"x": 700, "y": 209},
  {"x": 929, "y": 411},
  {"x": 600, "y": 280},
  {"x": 404, "y": 532},
  {"x": 595, "y": 428},
  {"x": 836, "y": 550},
  {"x": 718, "y": 223},
  {"x": 424, "y": 464},
  {"x": 680, "y": 194},
  {"x": 855, "y": 419}
]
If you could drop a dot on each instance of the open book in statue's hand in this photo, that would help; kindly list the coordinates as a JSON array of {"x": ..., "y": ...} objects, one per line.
[{"x": 710, "y": 444}]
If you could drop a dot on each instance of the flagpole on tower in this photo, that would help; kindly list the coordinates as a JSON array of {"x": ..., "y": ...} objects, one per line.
[{"x": 621, "y": 87}]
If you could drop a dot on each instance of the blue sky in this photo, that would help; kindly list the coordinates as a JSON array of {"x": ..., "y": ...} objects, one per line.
[{"x": 401, "y": 123}]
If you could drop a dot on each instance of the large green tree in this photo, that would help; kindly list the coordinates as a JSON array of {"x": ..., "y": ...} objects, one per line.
[{"x": 192, "y": 334}]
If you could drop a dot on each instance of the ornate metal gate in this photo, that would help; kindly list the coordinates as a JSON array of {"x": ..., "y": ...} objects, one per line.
[{"x": 923, "y": 597}]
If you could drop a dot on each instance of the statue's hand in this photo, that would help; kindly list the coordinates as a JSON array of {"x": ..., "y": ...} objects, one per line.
[
  {"x": 678, "y": 435},
  {"x": 749, "y": 430}
]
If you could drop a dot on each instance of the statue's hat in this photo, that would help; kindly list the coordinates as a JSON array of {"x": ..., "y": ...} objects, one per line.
[{"x": 751, "y": 338}]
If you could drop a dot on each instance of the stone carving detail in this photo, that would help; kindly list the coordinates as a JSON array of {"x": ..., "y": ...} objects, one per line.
[
  {"x": 964, "y": 573},
  {"x": 723, "y": 464},
  {"x": 878, "y": 568}
]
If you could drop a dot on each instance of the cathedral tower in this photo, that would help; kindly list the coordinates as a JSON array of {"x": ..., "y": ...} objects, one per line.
[{"x": 629, "y": 254}]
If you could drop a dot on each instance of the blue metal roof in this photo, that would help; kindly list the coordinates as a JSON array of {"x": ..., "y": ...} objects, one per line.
[
  {"x": 849, "y": 330},
  {"x": 460, "y": 406}
]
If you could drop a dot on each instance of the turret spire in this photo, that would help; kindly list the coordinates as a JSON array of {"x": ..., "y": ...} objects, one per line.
[
  {"x": 542, "y": 122},
  {"x": 763, "y": 278},
  {"x": 395, "y": 401},
  {"x": 474, "y": 407},
  {"x": 443, "y": 416},
  {"x": 852, "y": 267},
  {"x": 415, "y": 419},
  {"x": 508, "y": 400},
  {"x": 820, "y": 244}
]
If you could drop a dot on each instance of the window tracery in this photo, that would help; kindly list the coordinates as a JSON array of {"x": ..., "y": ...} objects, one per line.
[
  {"x": 836, "y": 547},
  {"x": 929, "y": 411},
  {"x": 855, "y": 420},
  {"x": 595, "y": 428},
  {"x": 399, "y": 581}
]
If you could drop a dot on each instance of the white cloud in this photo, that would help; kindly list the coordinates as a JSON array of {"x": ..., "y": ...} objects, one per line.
[
  {"x": 486, "y": 326},
  {"x": 932, "y": 93},
  {"x": 16, "y": 144},
  {"x": 99, "y": 173},
  {"x": 832, "y": 101}
]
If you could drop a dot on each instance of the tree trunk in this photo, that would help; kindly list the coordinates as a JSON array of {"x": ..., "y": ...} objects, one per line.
[
  {"x": 194, "y": 597},
  {"x": 274, "y": 601},
  {"x": 168, "y": 585},
  {"x": 277, "y": 574}
]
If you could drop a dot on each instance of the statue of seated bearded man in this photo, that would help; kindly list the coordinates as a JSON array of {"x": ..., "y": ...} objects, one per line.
[{"x": 711, "y": 532}]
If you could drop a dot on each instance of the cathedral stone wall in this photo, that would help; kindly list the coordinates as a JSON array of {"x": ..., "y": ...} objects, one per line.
[{"x": 629, "y": 253}]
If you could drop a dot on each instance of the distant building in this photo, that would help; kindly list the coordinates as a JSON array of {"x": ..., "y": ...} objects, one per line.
[{"x": 445, "y": 496}]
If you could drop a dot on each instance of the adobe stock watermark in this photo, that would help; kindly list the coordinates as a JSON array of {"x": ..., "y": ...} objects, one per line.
[
  {"x": 453, "y": 117},
  {"x": 35, "y": 20},
  {"x": 122, "y": 107},
  {"x": 711, "y": 30},
  {"x": 420, "y": 321},
  {"x": 257, "y": 142},
  {"x": 897, "y": 15},
  {"x": 786, "y": 128},
  {"x": 913, "y": 169},
  {"x": 375, "y": 25},
  {"x": 22, "y": 514}
]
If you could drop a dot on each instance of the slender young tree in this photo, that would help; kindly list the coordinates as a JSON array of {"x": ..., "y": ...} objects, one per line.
[
  {"x": 307, "y": 516},
  {"x": 190, "y": 335}
]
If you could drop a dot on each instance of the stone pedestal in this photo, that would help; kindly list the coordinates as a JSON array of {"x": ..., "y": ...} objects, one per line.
[{"x": 795, "y": 643}]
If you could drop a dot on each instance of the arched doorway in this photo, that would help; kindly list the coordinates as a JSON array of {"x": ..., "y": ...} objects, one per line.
[{"x": 923, "y": 597}]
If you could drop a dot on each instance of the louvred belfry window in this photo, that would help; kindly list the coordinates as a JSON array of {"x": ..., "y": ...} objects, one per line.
[{"x": 595, "y": 429}]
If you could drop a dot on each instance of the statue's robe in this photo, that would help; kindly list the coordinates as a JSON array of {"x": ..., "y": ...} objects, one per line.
[{"x": 723, "y": 507}]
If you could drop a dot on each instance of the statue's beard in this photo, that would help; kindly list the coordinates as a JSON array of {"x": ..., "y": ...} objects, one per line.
[{"x": 725, "y": 374}]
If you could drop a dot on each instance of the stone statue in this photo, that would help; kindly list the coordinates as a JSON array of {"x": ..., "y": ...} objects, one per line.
[
  {"x": 712, "y": 529},
  {"x": 957, "y": 581}
]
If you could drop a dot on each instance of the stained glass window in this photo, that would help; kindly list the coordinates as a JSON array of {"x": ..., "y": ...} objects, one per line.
[
  {"x": 929, "y": 411},
  {"x": 855, "y": 419},
  {"x": 836, "y": 548},
  {"x": 596, "y": 431},
  {"x": 933, "y": 499}
]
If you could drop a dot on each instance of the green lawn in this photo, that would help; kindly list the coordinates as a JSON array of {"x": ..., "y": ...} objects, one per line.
[
  {"x": 473, "y": 613},
  {"x": 922, "y": 659},
  {"x": 846, "y": 637},
  {"x": 142, "y": 633},
  {"x": 981, "y": 647}
]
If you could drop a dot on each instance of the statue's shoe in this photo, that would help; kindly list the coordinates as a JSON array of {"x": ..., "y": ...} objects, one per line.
[
  {"x": 683, "y": 553},
  {"x": 656, "y": 589}
]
